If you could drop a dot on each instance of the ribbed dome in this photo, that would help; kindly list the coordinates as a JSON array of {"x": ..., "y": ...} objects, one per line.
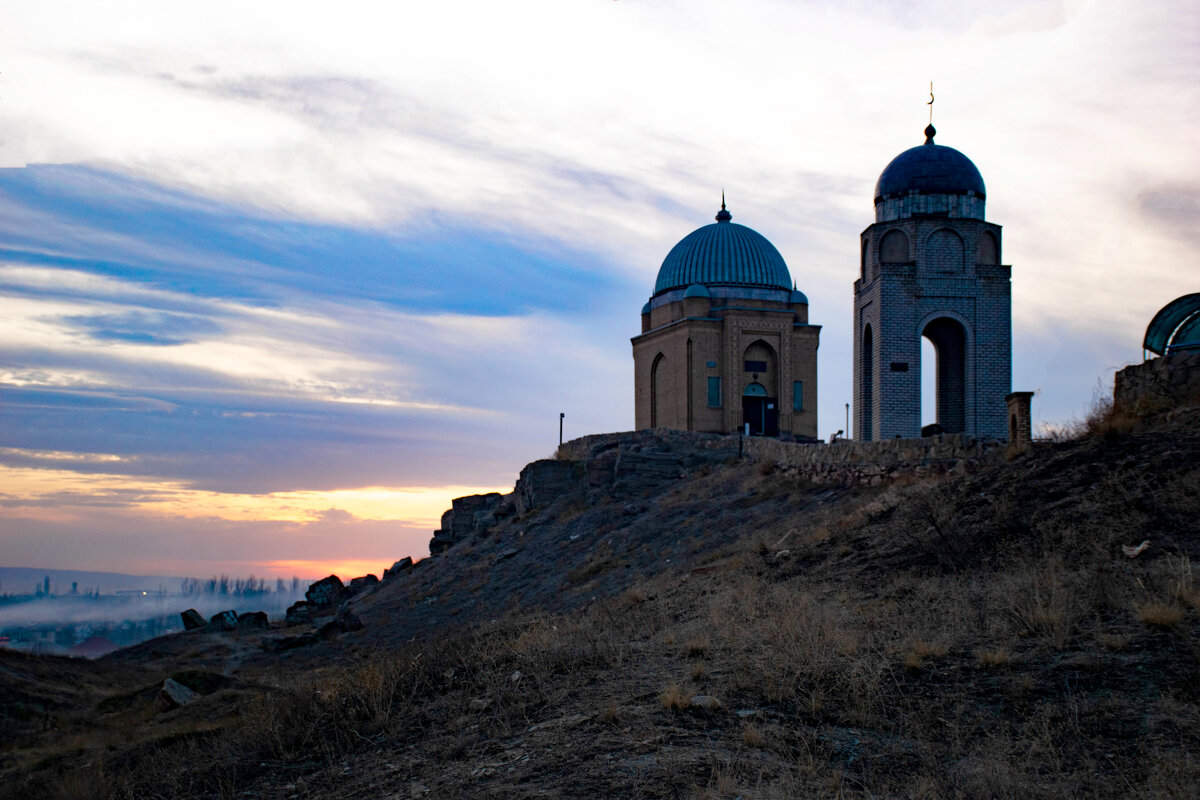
[
  {"x": 723, "y": 254},
  {"x": 929, "y": 169}
]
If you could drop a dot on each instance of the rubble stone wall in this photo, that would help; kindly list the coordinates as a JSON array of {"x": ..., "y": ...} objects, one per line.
[{"x": 1159, "y": 385}]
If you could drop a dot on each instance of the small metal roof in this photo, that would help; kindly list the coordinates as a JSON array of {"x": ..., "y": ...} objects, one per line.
[
  {"x": 929, "y": 169},
  {"x": 1176, "y": 325},
  {"x": 723, "y": 253}
]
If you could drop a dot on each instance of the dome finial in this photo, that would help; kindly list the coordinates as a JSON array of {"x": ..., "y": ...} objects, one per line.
[
  {"x": 723, "y": 215},
  {"x": 930, "y": 131}
]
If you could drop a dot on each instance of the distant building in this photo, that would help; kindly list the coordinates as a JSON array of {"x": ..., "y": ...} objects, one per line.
[
  {"x": 930, "y": 267},
  {"x": 725, "y": 339}
]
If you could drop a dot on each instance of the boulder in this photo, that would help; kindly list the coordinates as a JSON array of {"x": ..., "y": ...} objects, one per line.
[
  {"x": 298, "y": 613},
  {"x": 224, "y": 621},
  {"x": 706, "y": 702},
  {"x": 192, "y": 620},
  {"x": 254, "y": 620},
  {"x": 403, "y": 565},
  {"x": 358, "y": 584},
  {"x": 174, "y": 694},
  {"x": 326, "y": 593}
]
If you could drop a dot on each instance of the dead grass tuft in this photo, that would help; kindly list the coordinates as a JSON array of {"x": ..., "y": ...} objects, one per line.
[
  {"x": 675, "y": 697},
  {"x": 752, "y": 736},
  {"x": 1163, "y": 616},
  {"x": 993, "y": 657}
]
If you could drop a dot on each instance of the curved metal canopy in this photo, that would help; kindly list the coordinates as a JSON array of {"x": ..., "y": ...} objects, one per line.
[{"x": 1175, "y": 327}]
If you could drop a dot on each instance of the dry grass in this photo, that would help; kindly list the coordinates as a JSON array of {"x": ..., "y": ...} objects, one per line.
[
  {"x": 675, "y": 697},
  {"x": 752, "y": 736},
  {"x": 1163, "y": 616},
  {"x": 993, "y": 657}
]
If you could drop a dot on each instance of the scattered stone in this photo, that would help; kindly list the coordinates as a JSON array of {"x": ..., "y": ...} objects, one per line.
[
  {"x": 706, "y": 702},
  {"x": 326, "y": 593},
  {"x": 174, "y": 694},
  {"x": 479, "y": 704},
  {"x": 224, "y": 621},
  {"x": 192, "y": 620},
  {"x": 298, "y": 613},
  {"x": 403, "y": 565},
  {"x": 509, "y": 553},
  {"x": 254, "y": 620}
]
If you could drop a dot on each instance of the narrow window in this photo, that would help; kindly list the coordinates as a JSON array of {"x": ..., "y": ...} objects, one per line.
[
  {"x": 797, "y": 395},
  {"x": 756, "y": 366},
  {"x": 714, "y": 392}
]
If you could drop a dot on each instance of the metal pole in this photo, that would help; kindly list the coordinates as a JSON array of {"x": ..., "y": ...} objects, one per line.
[
  {"x": 560, "y": 424},
  {"x": 848, "y": 436}
]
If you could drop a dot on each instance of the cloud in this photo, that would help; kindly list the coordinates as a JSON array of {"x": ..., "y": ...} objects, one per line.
[{"x": 318, "y": 252}]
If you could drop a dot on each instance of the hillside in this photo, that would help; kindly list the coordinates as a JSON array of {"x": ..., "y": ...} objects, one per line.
[{"x": 699, "y": 625}]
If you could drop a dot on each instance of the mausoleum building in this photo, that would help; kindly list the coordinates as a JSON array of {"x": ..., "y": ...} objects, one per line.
[
  {"x": 931, "y": 267},
  {"x": 725, "y": 339}
]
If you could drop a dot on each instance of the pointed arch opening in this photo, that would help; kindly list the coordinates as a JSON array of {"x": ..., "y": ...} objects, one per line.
[
  {"x": 760, "y": 397},
  {"x": 657, "y": 374},
  {"x": 867, "y": 400},
  {"x": 949, "y": 339}
]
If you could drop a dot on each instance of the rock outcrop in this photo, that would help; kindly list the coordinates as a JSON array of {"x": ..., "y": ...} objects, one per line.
[{"x": 458, "y": 522}]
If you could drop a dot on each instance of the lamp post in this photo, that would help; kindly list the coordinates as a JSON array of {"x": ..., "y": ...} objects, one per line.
[
  {"x": 848, "y": 421},
  {"x": 560, "y": 424}
]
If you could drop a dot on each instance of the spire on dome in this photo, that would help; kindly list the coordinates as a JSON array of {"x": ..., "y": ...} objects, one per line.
[
  {"x": 930, "y": 132},
  {"x": 723, "y": 215}
]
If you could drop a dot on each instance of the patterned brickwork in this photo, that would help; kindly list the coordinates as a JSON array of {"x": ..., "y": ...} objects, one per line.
[{"x": 944, "y": 290}]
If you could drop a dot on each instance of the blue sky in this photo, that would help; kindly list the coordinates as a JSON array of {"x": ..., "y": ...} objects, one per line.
[{"x": 276, "y": 284}]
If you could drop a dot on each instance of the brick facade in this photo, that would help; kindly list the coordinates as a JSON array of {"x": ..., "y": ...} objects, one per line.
[
  {"x": 687, "y": 341},
  {"x": 930, "y": 267}
]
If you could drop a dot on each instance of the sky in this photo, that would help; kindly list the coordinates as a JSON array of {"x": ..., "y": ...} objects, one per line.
[{"x": 279, "y": 281}]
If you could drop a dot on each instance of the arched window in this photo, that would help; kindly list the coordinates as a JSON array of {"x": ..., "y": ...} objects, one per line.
[
  {"x": 944, "y": 251},
  {"x": 989, "y": 251},
  {"x": 893, "y": 248}
]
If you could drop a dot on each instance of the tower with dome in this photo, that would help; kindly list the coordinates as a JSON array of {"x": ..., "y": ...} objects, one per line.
[
  {"x": 725, "y": 340},
  {"x": 930, "y": 267}
]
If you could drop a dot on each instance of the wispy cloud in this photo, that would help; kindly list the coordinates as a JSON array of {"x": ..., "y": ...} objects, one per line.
[{"x": 317, "y": 253}]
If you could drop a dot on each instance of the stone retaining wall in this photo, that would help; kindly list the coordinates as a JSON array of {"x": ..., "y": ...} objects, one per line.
[
  {"x": 872, "y": 463},
  {"x": 1159, "y": 385}
]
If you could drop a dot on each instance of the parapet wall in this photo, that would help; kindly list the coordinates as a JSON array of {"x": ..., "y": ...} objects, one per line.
[
  {"x": 872, "y": 463},
  {"x": 1159, "y": 385}
]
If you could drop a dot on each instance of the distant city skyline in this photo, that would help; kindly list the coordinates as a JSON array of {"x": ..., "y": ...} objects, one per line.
[{"x": 276, "y": 284}]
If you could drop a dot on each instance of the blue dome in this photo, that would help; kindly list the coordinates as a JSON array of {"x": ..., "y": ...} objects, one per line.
[
  {"x": 723, "y": 254},
  {"x": 697, "y": 290},
  {"x": 929, "y": 169},
  {"x": 798, "y": 297}
]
